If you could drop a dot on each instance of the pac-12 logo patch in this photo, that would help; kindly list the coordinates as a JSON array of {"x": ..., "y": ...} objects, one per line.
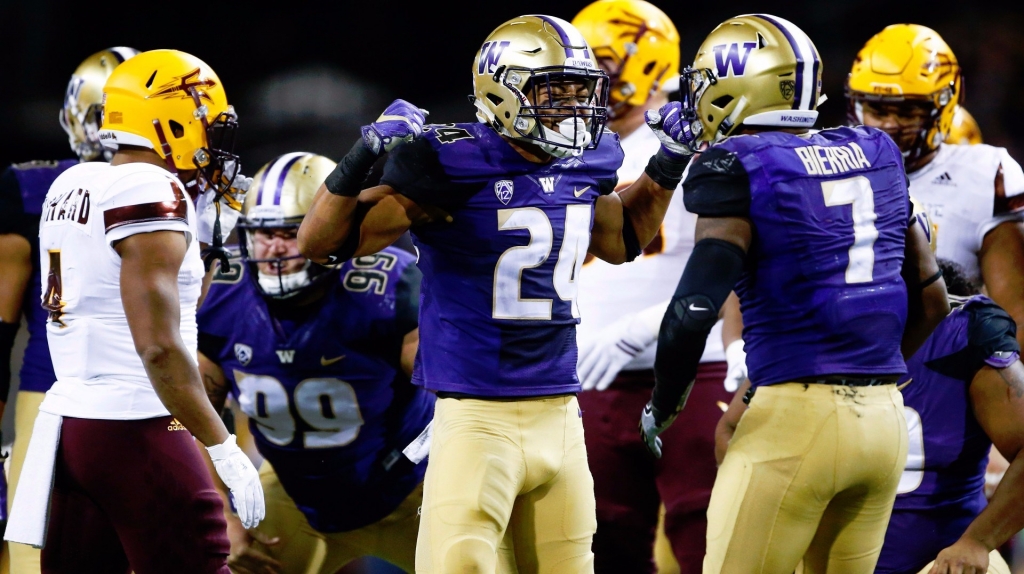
[
  {"x": 503, "y": 189},
  {"x": 243, "y": 353},
  {"x": 787, "y": 88}
]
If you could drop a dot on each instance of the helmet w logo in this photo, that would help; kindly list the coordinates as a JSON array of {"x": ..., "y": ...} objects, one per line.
[
  {"x": 490, "y": 52},
  {"x": 728, "y": 56}
]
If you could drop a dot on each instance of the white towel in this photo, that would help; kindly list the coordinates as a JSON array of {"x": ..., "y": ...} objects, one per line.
[
  {"x": 419, "y": 448},
  {"x": 31, "y": 509}
]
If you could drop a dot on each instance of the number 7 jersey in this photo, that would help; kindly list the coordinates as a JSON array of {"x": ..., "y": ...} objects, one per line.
[
  {"x": 822, "y": 293},
  {"x": 498, "y": 313}
]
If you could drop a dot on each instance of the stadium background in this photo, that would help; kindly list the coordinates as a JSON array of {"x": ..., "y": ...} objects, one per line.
[{"x": 304, "y": 75}]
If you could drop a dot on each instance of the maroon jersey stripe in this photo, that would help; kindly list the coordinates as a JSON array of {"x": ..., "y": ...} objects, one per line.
[{"x": 176, "y": 210}]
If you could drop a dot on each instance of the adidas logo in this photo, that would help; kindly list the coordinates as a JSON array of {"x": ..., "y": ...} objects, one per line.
[
  {"x": 176, "y": 426},
  {"x": 944, "y": 179}
]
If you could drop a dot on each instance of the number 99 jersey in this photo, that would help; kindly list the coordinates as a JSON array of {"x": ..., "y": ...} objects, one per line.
[
  {"x": 499, "y": 309},
  {"x": 822, "y": 293},
  {"x": 322, "y": 384}
]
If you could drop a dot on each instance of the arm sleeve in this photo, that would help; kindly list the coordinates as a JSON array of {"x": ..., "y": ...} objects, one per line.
[
  {"x": 12, "y": 209},
  {"x": 717, "y": 185},
  {"x": 415, "y": 171}
]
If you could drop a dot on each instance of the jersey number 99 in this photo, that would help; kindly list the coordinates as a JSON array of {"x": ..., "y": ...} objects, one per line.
[{"x": 328, "y": 406}]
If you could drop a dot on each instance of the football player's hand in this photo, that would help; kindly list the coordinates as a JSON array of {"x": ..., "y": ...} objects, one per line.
[
  {"x": 736, "y": 365},
  {"x": 603, "y": 356},
  {"x": 652, "y": 423},
  {"x": 242, "y": 479},
  {"x": 965, "y": 556},
  {"x": 246, "y": 557},
  {"x": 401, "y": 122},
  {"x": 678, "y": 136},
  {"x": 228, "y": 207}
]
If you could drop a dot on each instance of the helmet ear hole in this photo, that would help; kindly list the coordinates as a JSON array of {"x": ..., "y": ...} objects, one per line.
[
  {"x": 176, "y": 129},
  {"x": 494, "y": 99},
  {"x": 722, "y": 101}
]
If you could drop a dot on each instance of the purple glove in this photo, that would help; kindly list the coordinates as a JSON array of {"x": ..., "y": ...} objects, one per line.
[
  {"x": 401, "y": 122},
  {"x": 678, "y": 136}
]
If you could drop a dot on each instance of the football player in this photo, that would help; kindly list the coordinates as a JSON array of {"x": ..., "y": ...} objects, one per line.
[
  {"x": 637, "y": 45},
  {"x": 119, "y": 247},
  {"x": 812, "y": 229},
  {"x": 22, "y": 189},
  {"x": 503, "y": 213},
  {"x": 318, "y": 358},
  {"x": 906, "y": 81}
]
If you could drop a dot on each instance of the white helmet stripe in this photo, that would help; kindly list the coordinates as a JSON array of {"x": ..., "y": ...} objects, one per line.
[
  {"x": 807, "y": 61},
  {"x": 269, "y": 192},
  {"x": 124, "y": 52}
]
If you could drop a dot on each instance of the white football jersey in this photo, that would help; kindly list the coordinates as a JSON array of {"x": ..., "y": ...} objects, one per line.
[
  {"x": 88, "y": 208},
  {"x": 957, "y": 190},
  {"x": 608, "y": 292}
]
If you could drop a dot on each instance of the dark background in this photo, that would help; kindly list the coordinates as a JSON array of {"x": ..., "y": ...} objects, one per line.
[{"x": 305, "y": 75}]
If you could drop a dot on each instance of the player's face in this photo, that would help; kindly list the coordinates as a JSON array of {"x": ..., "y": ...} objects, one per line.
[
  {"x": 903, "y": 121},
  {"x": 278, "y": 243},
  {"x": 559, "y": 95}
]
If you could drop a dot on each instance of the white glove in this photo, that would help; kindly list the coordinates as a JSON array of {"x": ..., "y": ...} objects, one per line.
[
  {"x": 242, "y": 479},
  {"x": 601, "y": 358},
  {"x": 736, "y": 363},
  {"x": 230, "y": 209}
]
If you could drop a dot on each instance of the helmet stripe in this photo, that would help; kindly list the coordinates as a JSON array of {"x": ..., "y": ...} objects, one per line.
[
  {"x": 275, "y": 175},
  {"x": 569, "y": 35},
  {"x": 123, "y": 53},
  {"x": 803, "y": 49}
]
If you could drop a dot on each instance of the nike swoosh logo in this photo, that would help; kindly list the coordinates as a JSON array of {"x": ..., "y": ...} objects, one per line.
[
  {"x": 694, "y": 308},
  {"x": 324, "y": 361},
  {"x": 579, "y": 192}
]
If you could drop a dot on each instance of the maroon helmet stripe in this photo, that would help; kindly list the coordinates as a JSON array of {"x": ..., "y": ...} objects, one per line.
[{"x": 176, "y": 210}]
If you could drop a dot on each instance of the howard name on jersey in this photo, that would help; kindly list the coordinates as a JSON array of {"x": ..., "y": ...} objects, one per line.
[
  {"x": 822, "y": 293},
  {"x": 23, "y": 188},
  {"x": 88, "y": 209},
  {"x": 499, "y": 309},
  {"x": 322, "y": 385},
  {"x": 943, "y": 486},
  {"x": 959, "y": 191}
]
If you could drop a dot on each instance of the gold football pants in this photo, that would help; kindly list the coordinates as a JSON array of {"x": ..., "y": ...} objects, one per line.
[
  {"x": 304, "y": 550},
  {"x": 811, "y": 474},
  {"x": 21, "y": 558},
  {"x": 514, "y": 470}
]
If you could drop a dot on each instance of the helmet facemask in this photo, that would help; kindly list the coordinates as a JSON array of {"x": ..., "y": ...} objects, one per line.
[
  {"x": 917, "y": 131},
  {"x": 279, "y": 281},
  {"x": 83, "y": 129}
]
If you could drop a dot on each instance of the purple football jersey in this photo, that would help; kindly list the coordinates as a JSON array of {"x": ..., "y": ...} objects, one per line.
[
  {"x": 30, "y": 181},
  {"x": 498, "y": 314},
  {"x": 322, "y": 385},
  {"x": 943, "y": 486},
  {"x": 822, "y": 294}
]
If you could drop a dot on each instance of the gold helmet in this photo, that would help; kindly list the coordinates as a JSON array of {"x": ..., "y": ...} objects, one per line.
[
  {"x": 753, "y": 70},
  {"x": 964, "y": 130},
  {"x": 907, "y": 64},
  {"x": 174, "y": 104},
  {"x": 280, "y": 196},
  {"x": 82, "y": 113},
  {"x": 517, "y": 68},
  {"x": 636, "y": 44}
]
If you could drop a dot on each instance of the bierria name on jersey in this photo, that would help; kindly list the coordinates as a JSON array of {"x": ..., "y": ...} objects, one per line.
[{"x": 822, "y": 160}]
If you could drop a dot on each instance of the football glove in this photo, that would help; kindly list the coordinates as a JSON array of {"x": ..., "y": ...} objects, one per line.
[
  {"x": 736, "y": 364},
  {"x": 602, "y": 357},
  {"x": 401, "y": 122},
  {"x": 652, "y": 423},
  {"x": 227, "y": 207},
  {"x": 678, "y": 136},
  {"x": 242, "y": 479}
]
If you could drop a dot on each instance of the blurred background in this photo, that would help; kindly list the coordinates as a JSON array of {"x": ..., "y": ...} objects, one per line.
[{"x": 305, "y": 75}]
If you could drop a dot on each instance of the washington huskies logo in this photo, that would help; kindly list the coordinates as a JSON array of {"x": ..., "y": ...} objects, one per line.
[
  {"x": 503, "y": 189},
  {"x": 787, "y": 88},
  {"x": 243, "y": 353},
  {"x": 183, "y": 85},
  {"x": 490, "y": 52},
  {"x": 732, "y": 56}
]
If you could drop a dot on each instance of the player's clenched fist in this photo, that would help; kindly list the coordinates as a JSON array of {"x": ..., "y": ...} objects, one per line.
[
  {"x": 242, "y": 478},
  {"x": 400, "y": 122},
  {"x": 678, "y": 136}
]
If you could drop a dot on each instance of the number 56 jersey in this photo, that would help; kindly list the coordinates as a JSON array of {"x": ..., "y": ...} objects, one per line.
[
  {"x": 498, "y": 315},
  {"x": 822, "y": 293},
  {"x": 322, "y": 385}
]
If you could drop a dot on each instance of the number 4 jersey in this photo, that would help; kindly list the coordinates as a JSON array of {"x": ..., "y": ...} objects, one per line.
[
  {"x": 499, "y": 314},
  {"x": 822, "y": 293},
  {"x": 322, "y": 385}
]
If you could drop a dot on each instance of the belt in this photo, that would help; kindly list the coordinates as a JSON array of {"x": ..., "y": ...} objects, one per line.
[{"x": 852, "y": 381}]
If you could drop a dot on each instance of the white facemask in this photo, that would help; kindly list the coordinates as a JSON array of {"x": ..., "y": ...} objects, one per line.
[
  {"x": 571, "y": 132},
  {"x": 284, "y": 285}
]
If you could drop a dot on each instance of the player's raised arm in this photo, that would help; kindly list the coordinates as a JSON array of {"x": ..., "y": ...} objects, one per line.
[
  {"x": 341, "y": 218},
  {"x": 927, "y": 302},
  {"x": 625, "y": 222}
]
